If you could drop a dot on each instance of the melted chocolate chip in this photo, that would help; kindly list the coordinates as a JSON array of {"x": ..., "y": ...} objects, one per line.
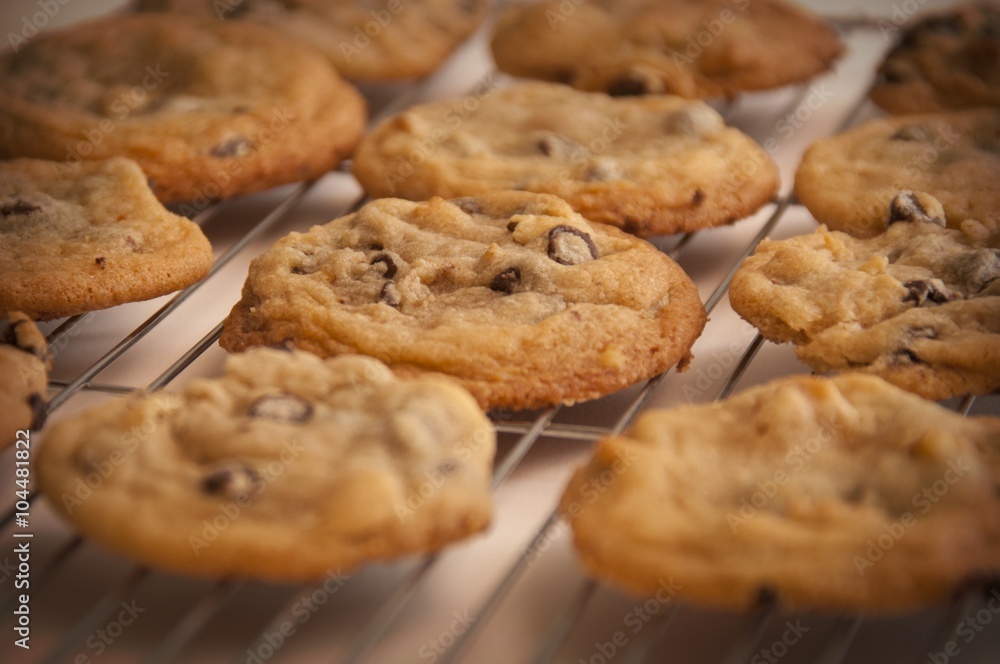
[
  {"x": 298, "y": 270},
  {"x": 921, "y": 291},
  {"x": 101, "y": 261},
  {"x": 282, "y": 408},
  {"x": 390, "y": 265},
  {"x": 628, "y": 85},
  {"x": 235, "y": 147},
  {"x": 767, "y": 597},
  {"x": 906, "y": 207},
  {"x": 390, "y": 294},
  {"x": 976, "y": 269},
  {"x": 237, "y": 481},
  {"x": 506, "y": 281},
  {"x": 698, "y": 198},
  {"x": 468, "y": 205},
  {"x": 908, "y": 355},
  {"x": 18, "y": 207},
  {"x": 511, "y": 226},
  {"x": 570, "y": 246}
]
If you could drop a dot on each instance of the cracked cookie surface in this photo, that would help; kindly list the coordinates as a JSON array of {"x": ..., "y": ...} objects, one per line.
[
  {"x": 841, "y": 495},
  {"x": 846, "y": 181},
  {"x": 918, "y": 305},
  {"x": 24, "y": 363},
  {"x": 366, "y": 41},
  {"x": 651, "y": 165},
  {"x": 691, "y": 48},
  {"x": 946, "y": 60},
  {"x": 513, "y": 294},
  {"x": 286, "y": 468},
  {"x": 208, "y": 109},
  {"x": 91, "y": 241}
]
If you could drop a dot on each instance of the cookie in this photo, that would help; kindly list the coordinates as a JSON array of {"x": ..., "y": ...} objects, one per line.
[
  {"x": 285, "y": 468},
  {"x": 371, "y": 41},
  {"x": 24, "y": 363},
  {"x": 651, "y": 165},
  {"x": 918, "y": 305},
  {"x": 847, "y": 181},
  {"x": 208, "y": 109},
  {"x": 691, "y": 48},
  {"x": 943, "y": 61},
  {"x": 98, "y": 239},
  {"x": 513, "y": 294},
  {"x": 839, "y": 495}
]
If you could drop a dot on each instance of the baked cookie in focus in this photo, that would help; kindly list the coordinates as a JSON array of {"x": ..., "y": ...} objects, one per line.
[
  {"x": 513, "y": 294},
  {"x": 286, "y": 468},
  {"x": 847, "y": 181},
  {"x": 651, "y": 165},
  {"x": 208, "y": 109},
  {"x": 24, "y": 364},
  {"x": 382, "y": 40},
  {"x": 98, "y": 238},
  {"x": 840, "y": 495},
  {"x": 918, "y": 305},
  {"x": 691, "y": 48},
  {"x": 942, "y": 61}
]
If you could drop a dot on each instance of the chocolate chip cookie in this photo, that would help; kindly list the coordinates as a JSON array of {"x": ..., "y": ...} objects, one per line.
[
  {"x": 839, "y": 495},
  {"x": 847, "y": 180},
  {"x": 378, "y": 40},
  {"x": 651, "y": 165},
  {"x": 513, "y": 294},
  {"x": 286, "y": 468},
  {"x": 691, "y": 48},
  {"x": 945, "y": 60},
  {"x": 91, "y": 241},
  {"x": 24, "y": 363},
  {"x": 918, "y": 305},
  {"x": 208, "y": 109}
]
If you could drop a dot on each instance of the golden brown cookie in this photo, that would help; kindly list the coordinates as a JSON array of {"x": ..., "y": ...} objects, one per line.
[
  {"x": 838, "y": 495},
  {"x": 513, "y": 294},
  {"x": 92, "y": 241},
  {"x": 942, "y": 61},
  {"x": 24, "y": 365},
  {"x": 651, "y": 165},
  {"x": 208, "y": 109},
  {"x": 286, "y": 468},
  {"x": 690, "y": 48},
  {"x": 371, "y": 41}
]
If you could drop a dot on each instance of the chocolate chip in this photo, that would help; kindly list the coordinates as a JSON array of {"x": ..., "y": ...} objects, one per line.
[
  {"x": 101, "y": 262},
  {"x": 976, "y": 269},
  {"x": 922, "y": 332},
  {"x": 570, "y": 246},
  {"x": 921, "y": 291},
  {"x": 18, "y": 207},
  {"x": 628, "y": 85},
  {"x": 390, "y": 265},
  {"x": 506, "y": 281},
  {"x": 447, "y": 468},
  {"x": 298, "y": 270},
  {"x": 698, "y": 198},
  {"x": 511, "y": 226},
  {"x": 908, "y": 355},
  {"x": 282, "y": 408},
  {"x": 767, "y": 597},
  {"x": 235, "y": 481},
  {"x": 390, "y": 294},
  {"x": 132, "y": 243},
  {"x": 468, "y": 205},
  {"x": 906, "y": 206},
  {"x": 911, "y": 132},
  {"x": 235, "y": 147},
  {"x": 558, "y": 146},
  {"x": 21, "y": 335}
]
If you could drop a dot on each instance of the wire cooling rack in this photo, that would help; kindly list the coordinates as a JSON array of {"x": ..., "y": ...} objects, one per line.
[{"x": 516, "y": 594}]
